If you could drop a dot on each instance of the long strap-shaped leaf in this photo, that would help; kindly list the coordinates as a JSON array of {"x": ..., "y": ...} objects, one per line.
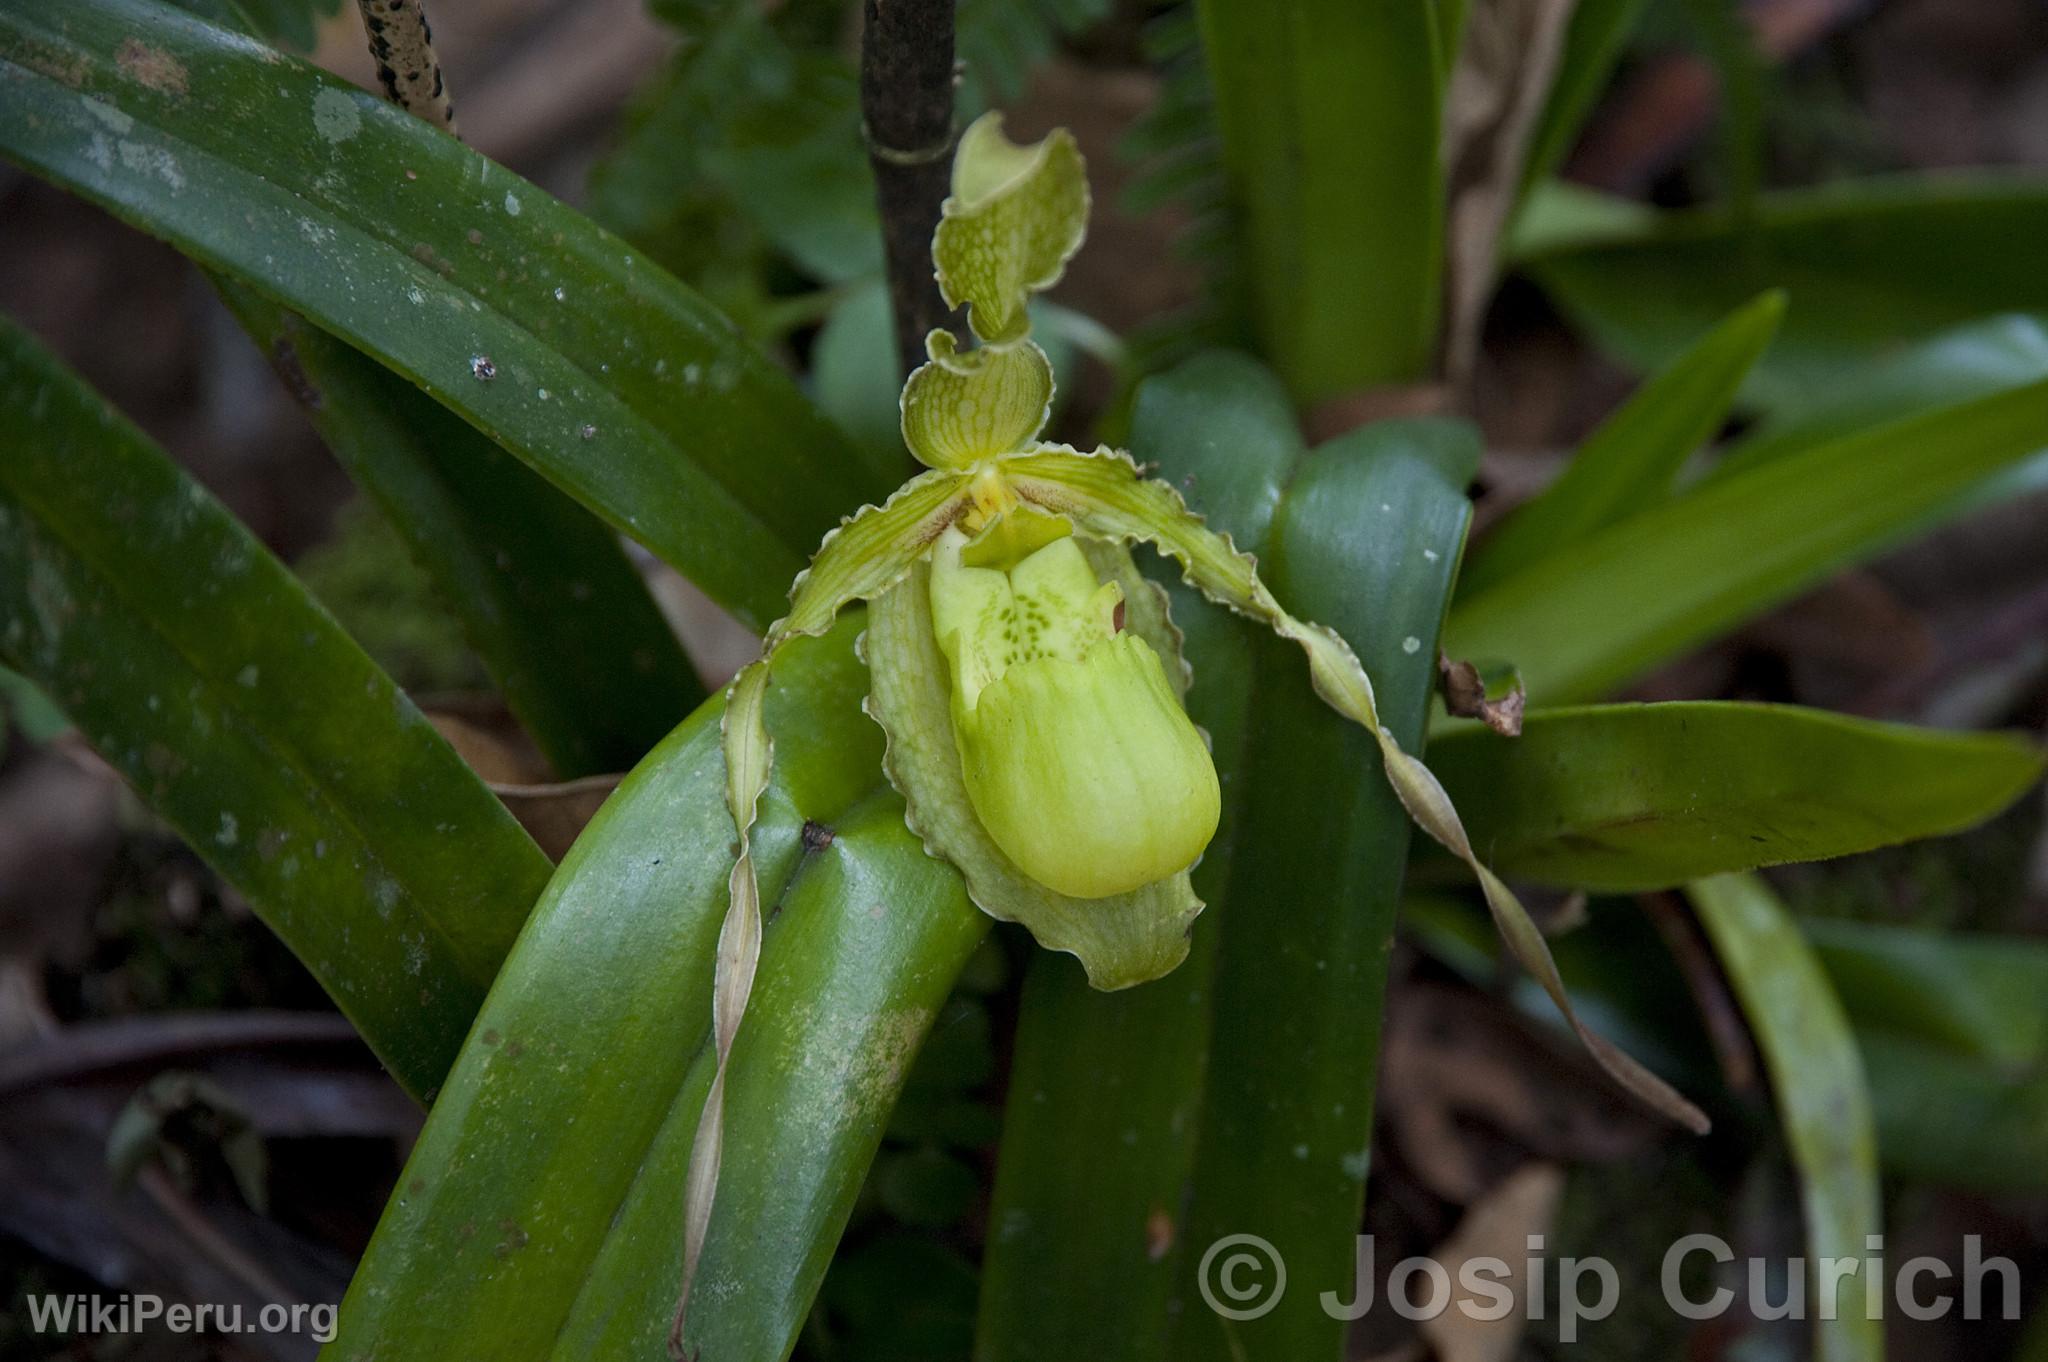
[
  {"x": 1091, "y": 1180},
  {"x": 1623, "y": 798},
  {"x": 1104, "y": 493},
  {"x": 866, "y": 555},
  {"x": 546, "y": 595},
  {"x": 547, "y": 333},
  {"x": 1871, "y": 266},
  {"x": 201, "y": 669},
  {"x": 1822, "y": 1100},
  {"x": 537, "y": 1217},
  {"x": 1329, "y": 113},
  {"x": 1367, "y": 540},
  {"x": 1596, "y": 613},
  {"x": 1630, "y": 462}
]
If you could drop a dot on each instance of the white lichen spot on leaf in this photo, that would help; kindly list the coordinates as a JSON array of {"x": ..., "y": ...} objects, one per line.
[
  {"x": 335, "y": 116},
  {"x": 117, "y": 122}
]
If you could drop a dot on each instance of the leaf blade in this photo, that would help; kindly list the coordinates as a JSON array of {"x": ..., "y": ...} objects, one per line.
[
  {"x": 613, "y": 980},
  {"x": 1092, "y": 1178},
  {"x": 1625, "y": 798},
  {"x": 1869, "y": 266},
  {"x": 1329, "y": 116},
  {"x": 560, "y": 618},
  {"x": 1592, "y": 617},
  {"x": 1282, "y": 1150},
  {"x": 1816, "y": 1075},
  {"x": 239, "y": 710},
  {"x": 514, "y": 311},
  {"x": 1630, "y": 462}
]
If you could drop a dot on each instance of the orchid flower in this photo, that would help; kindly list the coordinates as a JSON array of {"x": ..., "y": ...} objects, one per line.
[{"x": 1027, "y": 676}]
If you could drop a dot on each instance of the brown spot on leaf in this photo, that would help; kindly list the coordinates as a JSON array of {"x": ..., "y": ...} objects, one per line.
[
  {"x": 63, "y": 67},
  {"x": 424, "y": 253},
  {"x": 148, "y": 66},
  {"x": 1158, "y": 1235}
]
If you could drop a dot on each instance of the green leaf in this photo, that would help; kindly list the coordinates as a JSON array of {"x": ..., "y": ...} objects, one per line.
[
  {"x": 1605, "y": 610},
  {"x": 1956, "y": 1044},
  {"x": 1956, "y": 1124},
  {"x": 1330, "y": 115},
  {"x": 197, "y": 665},
  {"x": 1015, "y": 217},
  {"x": 1559, "y": 215},
  {"x": 1096, "y": 1163},
  {"x": 1822, "y": 1101},
  {"x": 549, "y": 335},
  {"x": 1629, "y": 463},
  {"x": 1975, "y": 995},
  {"x": 1971, "y": 361},
  {"x": 1634, "y": 797},
  {"x": 1367, "y": 540},
  {"x": 1087, "y": 1210},
  {"x": 540, "y": 1213},
  {"x": 1869, "y": 266},
  {"x": 546, "y": 596}
]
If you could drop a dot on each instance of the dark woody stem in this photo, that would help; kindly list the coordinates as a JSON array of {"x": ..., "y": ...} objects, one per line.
[
  {"x": 403, "y": 46},
  {"x": 906, "y": 100}
]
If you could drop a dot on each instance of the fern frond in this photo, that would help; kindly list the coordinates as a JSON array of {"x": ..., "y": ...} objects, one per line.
[
  {"x": 1179, "y": 167},
  {"x": 998, "y": 43}
]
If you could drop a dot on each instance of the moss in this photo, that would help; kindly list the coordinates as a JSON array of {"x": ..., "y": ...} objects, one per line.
[{"x": 363, "y": 575}]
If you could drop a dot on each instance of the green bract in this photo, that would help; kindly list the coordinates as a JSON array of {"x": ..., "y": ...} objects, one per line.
[{"x": 1028, "y": 678}]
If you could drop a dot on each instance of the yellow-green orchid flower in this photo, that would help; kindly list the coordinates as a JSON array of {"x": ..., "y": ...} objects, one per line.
[{"x": 1028, "y": 678}]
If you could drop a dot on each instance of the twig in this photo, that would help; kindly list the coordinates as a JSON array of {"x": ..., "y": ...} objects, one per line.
[
  {"x": 1721, "y": 1014},
  {"x": 906, "y": 102},
  {"x": 403, "y": 44},
  {"x": 1496, "y": 96},
  {"x": 205, "y": 1236},
  {"x": 92, "y": 1048}
]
